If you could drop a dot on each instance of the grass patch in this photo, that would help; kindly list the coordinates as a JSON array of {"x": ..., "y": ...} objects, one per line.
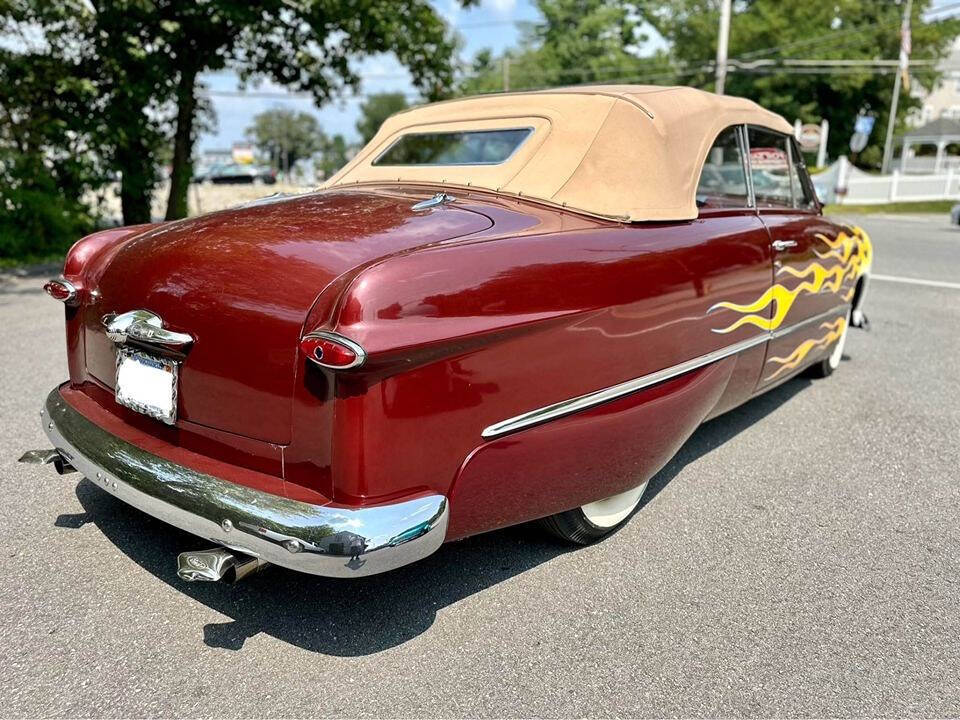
[
  {"x": 928, "y": 206},
  {"x": 7, "y": 263}
]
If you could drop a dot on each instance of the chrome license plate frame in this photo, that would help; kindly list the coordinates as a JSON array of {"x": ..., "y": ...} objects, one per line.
[{"x": 136, "y": 366}]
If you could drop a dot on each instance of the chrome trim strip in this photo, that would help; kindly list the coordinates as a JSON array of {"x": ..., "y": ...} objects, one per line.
[
  {"x": 566, "y": 407},
  {"x": 809, "y": 321},
  {"x": 745, "y": 161},
  {"x": 316, "y": 539},
  {"x": 584, "y": 402}
]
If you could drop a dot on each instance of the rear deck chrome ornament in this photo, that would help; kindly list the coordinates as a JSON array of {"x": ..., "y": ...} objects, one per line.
[
  {"x": 145, "y": 327},
  {"x": 436, "y": 201}
]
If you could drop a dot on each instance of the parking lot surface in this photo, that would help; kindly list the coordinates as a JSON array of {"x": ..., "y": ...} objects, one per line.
[{"x": 800, "y": 556}]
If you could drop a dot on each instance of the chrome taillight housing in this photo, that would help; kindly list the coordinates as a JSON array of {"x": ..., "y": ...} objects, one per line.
[
  {"x": 332, "y": 350},
  {"x": 62, "y": 290}
]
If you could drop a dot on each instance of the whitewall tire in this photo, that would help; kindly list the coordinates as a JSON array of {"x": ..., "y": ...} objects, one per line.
[
  {"x": 590, "y": 522},
  {"x": 825, "y": 367}
]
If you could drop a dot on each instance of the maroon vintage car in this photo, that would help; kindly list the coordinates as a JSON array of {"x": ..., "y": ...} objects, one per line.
[{"x": 505, "y": 308}]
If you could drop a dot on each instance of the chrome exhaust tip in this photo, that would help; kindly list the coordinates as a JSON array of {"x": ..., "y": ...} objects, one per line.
[
  {"x": 62, "y": 466},
  {"x": 44, "y": 457},
  {"x": 39, "y": 457},
  {"x": 217, "y": 564}
]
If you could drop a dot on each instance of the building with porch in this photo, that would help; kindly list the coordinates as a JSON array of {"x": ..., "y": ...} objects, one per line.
[{"x": 931, "y": 148}]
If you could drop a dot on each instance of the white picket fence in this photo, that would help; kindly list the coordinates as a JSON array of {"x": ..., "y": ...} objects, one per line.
[{"x": 863, "y": 189}]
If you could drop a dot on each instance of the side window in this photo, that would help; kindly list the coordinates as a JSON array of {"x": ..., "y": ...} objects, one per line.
[
  {"x": 723, "y": 182},
  {"x": 803, "y": 196},
  {"x": 770, "y": 168}
]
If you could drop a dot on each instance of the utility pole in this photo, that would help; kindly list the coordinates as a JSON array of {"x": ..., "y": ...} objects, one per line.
[
  {"x": 722, "y": 41},
  {"x": 904, "y": 65},
  {"x": 506, "y": 73}
]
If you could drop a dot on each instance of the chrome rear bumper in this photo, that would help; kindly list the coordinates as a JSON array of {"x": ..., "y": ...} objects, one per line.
[{"x": 317, "y": 539}]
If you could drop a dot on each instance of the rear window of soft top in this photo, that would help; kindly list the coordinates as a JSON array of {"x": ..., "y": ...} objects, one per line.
[{"x": 466, "y": 147}]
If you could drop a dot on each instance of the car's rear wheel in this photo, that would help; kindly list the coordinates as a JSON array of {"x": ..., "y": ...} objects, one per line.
[
  {"x": 824, "y": 368},
  {"x": 590, "y": 522}
]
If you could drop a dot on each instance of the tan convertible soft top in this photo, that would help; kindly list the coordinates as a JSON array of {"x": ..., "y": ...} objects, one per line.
[{"x": 630, "y": 152}]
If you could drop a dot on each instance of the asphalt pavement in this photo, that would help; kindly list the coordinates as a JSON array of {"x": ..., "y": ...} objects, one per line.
[{"x": 800, "y": 556}]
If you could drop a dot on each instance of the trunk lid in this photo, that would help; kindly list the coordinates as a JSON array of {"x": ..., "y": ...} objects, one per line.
[{"x": 242, "y": 282}]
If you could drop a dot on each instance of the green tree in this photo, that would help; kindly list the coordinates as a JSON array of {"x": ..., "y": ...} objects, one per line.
[
  {"x": 144, "y": 58},
  {"x": 46, "y": 167},
  {"x": 286, "y": 136},
  {"x": 109, "y": 48},
  {"x": 334, "y": 153},
  {"x": 763, "y": 33},
  {"x": 377, "y": 108},
  {"x": 307, "y": 46},
  {"x": 577, "y": 41}
]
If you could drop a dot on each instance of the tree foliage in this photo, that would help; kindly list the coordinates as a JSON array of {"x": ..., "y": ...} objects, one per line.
[
  {"x": 46, "y": 166},
  {"x": 601, "y": 41},
  {"x": 765, "y": 32},
  {"x": 286, "y": 136},
  {"x": 334, "y": 153},
  {"x": 377, "y": 108},
  {"x": 142, "y": 59},
  {"x": 307, "y": 46},
  {"x": 578, "y": 41}
]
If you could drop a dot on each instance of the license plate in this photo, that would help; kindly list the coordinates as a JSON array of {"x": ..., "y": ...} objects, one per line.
[{"x": 147, "y": 384}]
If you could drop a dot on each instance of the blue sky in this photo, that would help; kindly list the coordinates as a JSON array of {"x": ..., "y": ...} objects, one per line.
[{"x": 492, "y": 24}]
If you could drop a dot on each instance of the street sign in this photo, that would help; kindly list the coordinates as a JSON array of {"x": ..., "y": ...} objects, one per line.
[
  {"x": 242, "y": 153},
  {"x": 864, "y": 125},
  {"x": 809, "y": 137},
  {"x": 768, "y": 158},
  {"x": 858, "y": 141}
]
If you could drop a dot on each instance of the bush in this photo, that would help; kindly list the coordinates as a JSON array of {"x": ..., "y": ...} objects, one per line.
[{"x": 39, "y": 217}]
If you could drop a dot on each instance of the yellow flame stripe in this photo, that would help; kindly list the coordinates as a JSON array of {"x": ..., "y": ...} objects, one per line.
[
  {"x": 782, "y": 296},
  {"x": 796, "y": 357},
  {"x": 853, "y": 251}
]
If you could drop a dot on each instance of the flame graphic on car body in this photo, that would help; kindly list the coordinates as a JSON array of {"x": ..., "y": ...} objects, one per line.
[
  {"x": 851, "y": 254},
  {"x": 835, "y": 332}
]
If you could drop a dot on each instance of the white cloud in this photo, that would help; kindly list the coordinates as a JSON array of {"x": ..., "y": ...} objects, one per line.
[
  {"x": 501, "y": 7},
  {"x": 450, "y": 11}
]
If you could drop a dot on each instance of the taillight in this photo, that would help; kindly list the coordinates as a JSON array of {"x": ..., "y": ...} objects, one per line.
[
  {"x": 62, "y": 290},
  {"x": 331, "y": 350}
]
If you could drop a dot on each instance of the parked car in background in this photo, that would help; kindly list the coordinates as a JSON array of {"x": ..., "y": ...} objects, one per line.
[
  {"x": 236, "y": 174},
  {"x": 505, "y": 308}
]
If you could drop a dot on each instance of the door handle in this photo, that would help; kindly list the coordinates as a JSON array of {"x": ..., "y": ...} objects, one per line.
[{"x": 784, "y": 244}]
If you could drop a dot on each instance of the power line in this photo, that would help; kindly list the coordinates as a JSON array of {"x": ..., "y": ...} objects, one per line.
[
  {"x": 843, "y": 33},
  {"x": 487, "y": 23},
  {"x": 786, "y": 66}
]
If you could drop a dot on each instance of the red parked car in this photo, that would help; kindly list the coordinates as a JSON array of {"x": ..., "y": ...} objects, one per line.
[{"x": 505, "y": 308}]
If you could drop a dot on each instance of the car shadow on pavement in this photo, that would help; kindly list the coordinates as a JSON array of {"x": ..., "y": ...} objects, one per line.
[
  {"x": 367, "y": 615},
  {"x": 719, "y": 430},
  {"x": 343, "y": 617}
]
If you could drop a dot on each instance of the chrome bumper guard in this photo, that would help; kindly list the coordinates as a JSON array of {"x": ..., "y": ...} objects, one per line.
[{"x": 321, "y": 540}]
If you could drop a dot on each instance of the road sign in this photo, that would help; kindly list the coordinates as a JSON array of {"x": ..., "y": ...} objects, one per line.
[
  {"x": 809, "y": 136},
  {"x": 858, "y": 141},
  {"x": 864, "y": 125},
  {"x": 242, "y": 153}
]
